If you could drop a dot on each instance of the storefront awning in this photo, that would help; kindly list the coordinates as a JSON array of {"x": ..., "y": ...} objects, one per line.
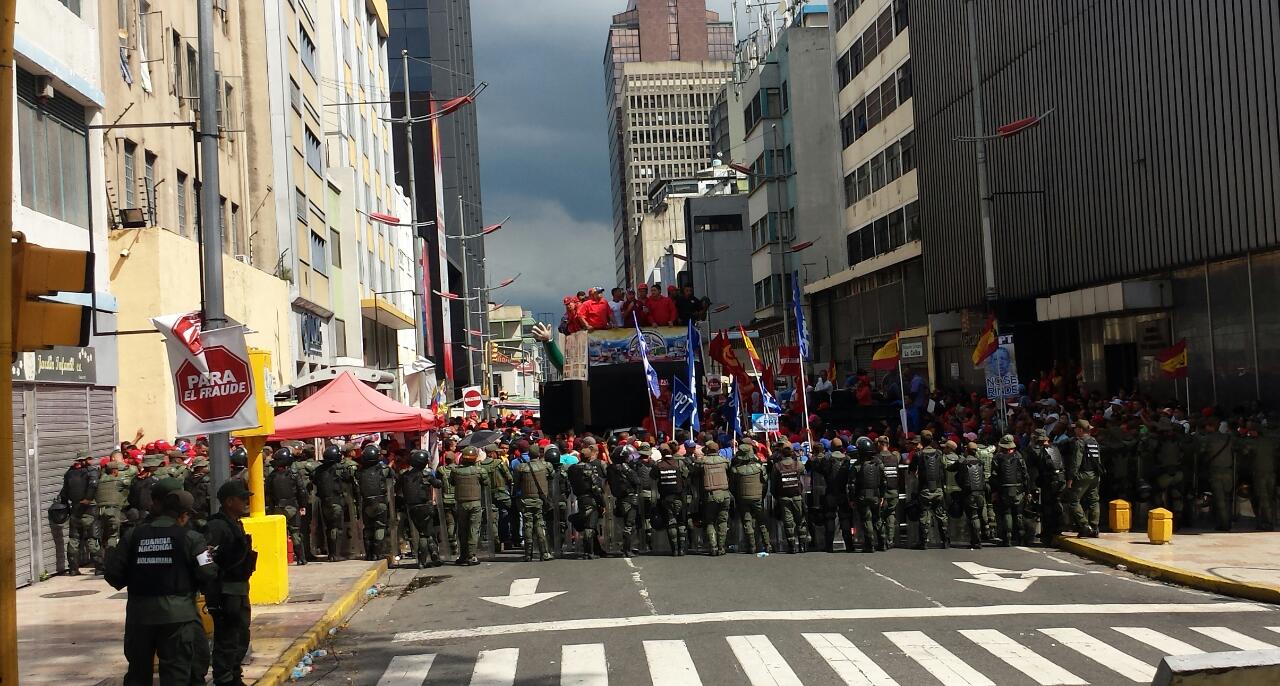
[
  {"x": 1113, "y": 298},
  {"x": 382, "y": 312}
]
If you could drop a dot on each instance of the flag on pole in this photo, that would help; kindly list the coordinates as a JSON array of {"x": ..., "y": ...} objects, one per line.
[
  {"x": 831, "y": 370},
  {"x": 756, "y": 364},
  {"x": 683, "y": 409},
  {"x": 988, "y": 342},
  {"x": 802, "y": 335},
  {"x": 722, "y": 352},
  {"x": 735, "y": 406},
  {"x": 651, "y": 375},
  {"x": 886, "y": 358},
  {"x": 1173, "y": 360},
  {"x": 184, "y": 329},
  {"x": 692, "y": 347}
]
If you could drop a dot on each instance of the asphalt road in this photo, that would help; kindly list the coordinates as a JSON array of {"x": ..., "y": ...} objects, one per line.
[{"x": 897, "y": 617}]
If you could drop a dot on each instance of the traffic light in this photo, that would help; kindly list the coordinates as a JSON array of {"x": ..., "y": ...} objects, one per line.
[
  {"x": 37, "y": 272},
  {"x": 502, "y": 395}
]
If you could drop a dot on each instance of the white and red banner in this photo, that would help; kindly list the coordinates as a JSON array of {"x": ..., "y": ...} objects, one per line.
[{"x": 213, "y": 383}]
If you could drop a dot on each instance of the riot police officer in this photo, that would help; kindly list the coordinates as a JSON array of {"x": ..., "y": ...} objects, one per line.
[
  {"x": 239, "y": 464},
  {"x": 468, "y": 480},
  {"x": 1168, "y": 476},
  {"x": 624, "y": 483},
  {"x": 79, "y": 487},
  {"x": 748, "y": 477},
  {"x": 1010, "y": 481},
  {"x": 1217, "y": 451},
  {"x": 198, "y": 486},
  {"x": 286, "y": 495},
  {"x": 329, "y": 479},
  {"x": 372, "y": 481},
  {"x": 1050, "y": 469},
  {"x": 716, "y": 500},
  {"x": 111, "y": 496},
  {"x": 837, "y": 508},
  {"x": 867, "y": 490},
  {"x": 929, "y": 468},
  {"x": 140, "y": 502},
  {"x": 499, "y": 494},
  {"x": 671, "y": 478},
  {"x": 1084, "y": 472},
  {"x": 586, "y": 478},
  {"x": 972, "y": 480},
  {"x": 788, "y": 496},
  {"x": 414, "y": 487},
  {"x": 533, "y": 480},
  {"x": 891, "y": 463}
]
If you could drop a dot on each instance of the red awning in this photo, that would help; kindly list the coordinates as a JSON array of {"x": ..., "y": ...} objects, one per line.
[{"x": 344, "y": 407}]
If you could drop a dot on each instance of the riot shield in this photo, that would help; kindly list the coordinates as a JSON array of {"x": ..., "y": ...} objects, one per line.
[
  {"x": 489, "y": 523},
  {"x": 393, "y": 526},
  {"x": 555, "y": 515},
  {"x": 442, "y": 526},
  {"x": 608, "y": 528}
]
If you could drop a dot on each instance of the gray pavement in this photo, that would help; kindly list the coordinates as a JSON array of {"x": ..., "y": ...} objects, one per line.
[{"x": 994, "y": 616}]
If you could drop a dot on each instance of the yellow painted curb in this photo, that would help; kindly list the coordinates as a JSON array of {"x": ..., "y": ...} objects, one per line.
[
  {"x": 281, "y": 670},
  {"x": 1237, "y": 589}
]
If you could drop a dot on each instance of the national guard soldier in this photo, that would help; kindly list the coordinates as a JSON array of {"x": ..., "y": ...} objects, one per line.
[
  {"x": 1051, "y": 481},
  {"x": 867, "y": 489},
  {"x": 648, "y": 496},
  {"x": 1263, "y": 454},
  {"x": 671, "y": 478},
  {"x": 1084, "y": 472},
  {"x": 624, "y": 483},
  {"x": 929, "y": 468},
  {"x": 1010, "y": 482},
  {"x": 467, "y": 480},
  {"x": 79, "y": 487},
  {"x": 716, "y": 500},
  {"x": 1167, "y": 474},
  {"x": 986, "y": 455},
  {"x": 448, "y": 498},
  {"x": 239, "y": 464},
  {"x": 748, "y": 477},
  {"x": 329, "y": 480},
  {"x": 163, "y": 563},
  {"x": 788, "y": 494},
  {"x": 414, "y": 488},
  {"x": 305, "y": 465},
  {"x": 111, "y": 497},
  {"x": 499, "y": 493},
  {"x": 1217, "y": 451},
  {"x": 228, "y": 603},
  {"x": 891, "y": 463},
  {"x": 198, "y": 486},
  {"x": 371, "y": 483},
  {"x": 586, "y": 478},
  {"x": 141, "y": 500},
  {"x": 533, "y": 479},
  {"x": 286, "y": 495},
  {"x": 175, "y": 467},
  {"x": 1118, "y": 460},
  {"x": 973, "y": 491},
  {"x": 836, "y": 508}
]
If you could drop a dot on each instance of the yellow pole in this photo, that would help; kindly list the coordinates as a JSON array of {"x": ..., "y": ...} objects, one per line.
[
  {"x": 257, "y": 499},
  {"x": 8, "y": 553}
]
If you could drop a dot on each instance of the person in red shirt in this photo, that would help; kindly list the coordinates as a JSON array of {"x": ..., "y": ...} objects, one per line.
[
  {"x": 641, "y": 309},
  {"x": 662, "y": 309},
  {"x": 595, "y": 311}
]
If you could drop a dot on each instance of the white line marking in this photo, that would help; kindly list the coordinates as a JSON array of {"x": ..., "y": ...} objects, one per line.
[
  {"x": 941, "y": 663},
  {"x": 849, "y": 663},
  {"x": 496, "y": 667},
  {"x": 522, "y": 594},
  {"x": 407, "y": 670},
  {"x": 1022, "y": 658},
  {"x": 1126, "y": 666},
  {"x": 670, "y": 663},
  {"x": 1232, "y": 638},
  {"x": 761, "y": 662},
  {"x": 1167, "y": 645},
  {"x": 640, "y": 587},
  {"x": 596, "y": 623},
  {"x": 583, "y": 665},
  {"x": 1274, "y": 628}
]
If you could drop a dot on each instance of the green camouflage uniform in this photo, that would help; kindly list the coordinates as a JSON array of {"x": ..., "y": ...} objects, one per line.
[{"x": 749, "y": 479}]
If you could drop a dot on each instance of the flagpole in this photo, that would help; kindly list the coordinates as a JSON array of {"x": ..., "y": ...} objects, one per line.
[
  {"x": 902, "y": 391},
  {"x": 804, "y": 396},
  {"x": 653, "y": 417}
]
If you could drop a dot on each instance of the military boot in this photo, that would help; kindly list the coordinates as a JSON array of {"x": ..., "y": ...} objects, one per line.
[
  {"x": 335, "y": 554},
  {"x": 528, "y": 551},
  {"x": 750, "y": 546},
  {"x": 946, "y": 540},
  {"x": 793, "y": 545},
  {"x": 626, "y": 545}
]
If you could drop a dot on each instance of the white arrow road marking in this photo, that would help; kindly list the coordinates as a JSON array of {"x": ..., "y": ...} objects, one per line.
[
  {"x": 523, "y": 593},
  {"x": 1006, "y": 579}
]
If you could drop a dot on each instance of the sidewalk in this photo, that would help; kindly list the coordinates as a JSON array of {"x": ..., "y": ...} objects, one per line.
[
  {"x": 1243, "y": 564},
  {"x": 71, "y": 629}
]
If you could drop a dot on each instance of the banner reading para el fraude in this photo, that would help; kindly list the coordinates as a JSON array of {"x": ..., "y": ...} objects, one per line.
[{"x": 212, "y": 379}]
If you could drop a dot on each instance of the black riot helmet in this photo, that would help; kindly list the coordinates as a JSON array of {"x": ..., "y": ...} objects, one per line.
[
  {"x": 865, "y": 446},
  {"x": 418, "y": 459},
  {"x": 370, "y": 455},
  {"x": 332, "y": 453},
  {"x": 282, "y": 458},
  {"x": 239, "y": 457},
  {"x": 551, "y": 454}
]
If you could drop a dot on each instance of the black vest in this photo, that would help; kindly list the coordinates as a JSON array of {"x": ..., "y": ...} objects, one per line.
[
  {"x": 1090, "y": 455},
  {"x": 582, "y": 478},
  {"x": 1009, "y": 469},
  {"x": 80, "y": 484},
  {"x": 414, "y": 489},
  {"x": 373, "y": 483},
  {"x": 870, "y": 475},
  {"x": 669, "y": 482},
  {"x": 970, "y": 476},
  {"x": 284, "y": 490},
  {"x": 931, "y": 468},
  {"x": 158, "y": 564},
  {"x": 889, "y": 463},
  {"x": 328, "y": 485},
  {"x": 789, "y": 479},
  {"x": 236, "y": 558}
]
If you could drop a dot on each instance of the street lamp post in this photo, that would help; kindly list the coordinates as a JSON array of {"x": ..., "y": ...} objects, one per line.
[{"x": 984, "y": 191}]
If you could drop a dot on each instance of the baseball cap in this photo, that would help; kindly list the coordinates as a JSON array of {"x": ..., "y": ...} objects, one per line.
[
  {"x": 233, "y": 488},
  {"x": 179, "y": 502}
]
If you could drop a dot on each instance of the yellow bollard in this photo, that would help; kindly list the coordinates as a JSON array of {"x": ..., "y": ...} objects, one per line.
[
  {"x": 1160, "y": 526},
  {"x": 1119, "y": 517}
]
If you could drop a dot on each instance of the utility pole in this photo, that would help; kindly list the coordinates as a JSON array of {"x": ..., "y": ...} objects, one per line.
[
  {"x": 8, "y": 544},
  {"x": 215, "y": 316},
  {"x": 466, "y": 293},
  {"x": 784, "y": 241},
  {"x": 419, "y": 285},
  {"x": 985, "y": 200}
]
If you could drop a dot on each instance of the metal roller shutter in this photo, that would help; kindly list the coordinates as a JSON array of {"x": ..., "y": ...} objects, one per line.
[
  {"x": 102, "y": 421},
  {"x": 62, "y": 421},
  {"x": 21, "y": 494}
]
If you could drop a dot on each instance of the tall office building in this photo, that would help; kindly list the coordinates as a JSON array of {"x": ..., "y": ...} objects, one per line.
[{"x": 658, "y": 32}]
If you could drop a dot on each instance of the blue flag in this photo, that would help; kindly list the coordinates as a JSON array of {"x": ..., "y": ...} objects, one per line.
[
  {"x": 650, "y": 374},
  {"x": 802, "y": 335},
  {"x": 771, "y": 404},
  {"x": 735, "y": 404},
  {"x": 693, "y": 346},
  {"x": 682, "y": 405}
]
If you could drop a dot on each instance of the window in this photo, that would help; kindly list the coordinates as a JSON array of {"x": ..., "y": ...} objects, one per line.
[
  {"x": 854, "y": 248},
  {"x": 896, "y": 236},
  {"x": 319, "y": 256},
  {"x": 53, "y": 155},
  {"x": 144, "y": 39},
  {"x": 228, "y": 118},
  {"x": 149, "y": 185},
  {"x": 235, "y": 229},
  {"x": 175, "y": 66},
  {"x": 908, "y": 156},
  {"x": 300, "y": 200},
  {"x": 877, "y": 172},
  {"x": 911, "y": 217},
  {"x": 335, "y": 248},
  {"x": 182, "y": 204},
  {"x": 846, "y": 130},
  {"x": 315, "y": 152},
  {"x": 129, "y": 183},
  {"x": 772, "y": 102},
  {"x": 904, "y": 83},
  {"x": 850, "y": 189},
  {"x": 222, "y": 224},
  {"x": 295, "y": 96},
  {"x": 307, "y": 48},
  {"x": 193, "y": 78},
  {"x": 339, "y": 338}
]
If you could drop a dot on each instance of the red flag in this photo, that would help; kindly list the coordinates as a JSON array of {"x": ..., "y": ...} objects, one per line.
[
  {"x": 722, "y": 352},
  {"x": 789, "y": 360},
  {"x": 767, "y": 378},
  {"x": 1173, "y": 360},
  {"x": 887, "y": 357}
]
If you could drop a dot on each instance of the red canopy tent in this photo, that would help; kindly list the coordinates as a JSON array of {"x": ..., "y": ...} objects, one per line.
[{"x": 345, "y": 406}]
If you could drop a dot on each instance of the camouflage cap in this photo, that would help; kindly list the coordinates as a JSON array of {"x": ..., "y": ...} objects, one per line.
[
  {"x": 200, "y": 463},
  {"x": 1083, "y": 424},
  {"x": 470, "y": 452},
  {"x": 1041, "y": 435},
  {"x": 644, "y": 447},
  {"x": 153, "y": 461},
  {"x": 1006, "y": 441},
  {"x": 711, "y": 446},
  {"x": 82, "y": 455},
  {"x": 746, "y": 451}
]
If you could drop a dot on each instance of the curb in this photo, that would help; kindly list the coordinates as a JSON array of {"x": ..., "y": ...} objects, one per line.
[
  {"x": 279, "y": 672},
  {"x": 1160, "y": 572}
]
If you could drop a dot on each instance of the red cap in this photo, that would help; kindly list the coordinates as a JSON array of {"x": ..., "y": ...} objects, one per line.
[
  {"x": 150, "y": 448},
  {"x": 163, "y": 446},
  {"x": 528, "y": 422},
  {"x": 1207, "y": 412},
  {"x": 544, "y": 442}
]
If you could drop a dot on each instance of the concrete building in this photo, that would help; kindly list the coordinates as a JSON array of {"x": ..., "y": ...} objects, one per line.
[
  {"x": 874, "y": 284},
  {"x": 718, "y": 249},
  {"x": 664, "y": 109},
  {"x": 63, "y": 399},
  {"x": 515, "y": 358},
  {"x": 657, "y": 31},
  {"x": 437, "y": 36}
]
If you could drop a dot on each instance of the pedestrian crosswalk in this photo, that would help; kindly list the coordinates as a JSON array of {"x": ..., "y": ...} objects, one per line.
[{"x": 1049, "y": 656}]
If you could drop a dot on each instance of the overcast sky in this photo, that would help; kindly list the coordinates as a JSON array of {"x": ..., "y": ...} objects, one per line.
[{"x": 544, "y": 153}]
